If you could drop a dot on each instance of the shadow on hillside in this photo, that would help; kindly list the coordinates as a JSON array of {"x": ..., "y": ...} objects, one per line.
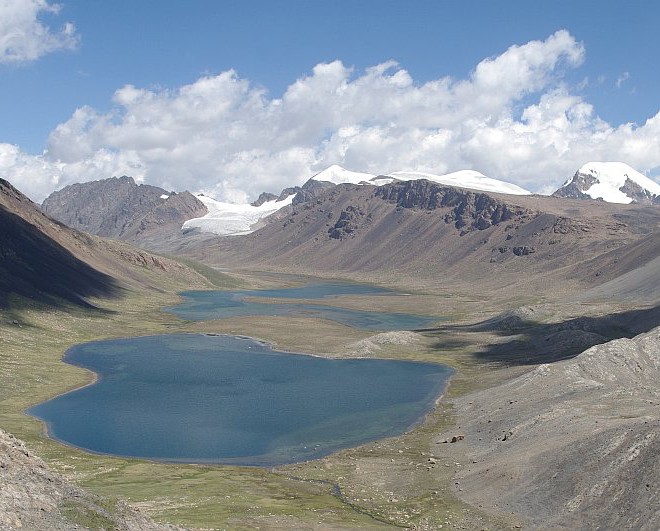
[
  {"x": 511, "y": 340},
  {"x": 35, "y": 267}
]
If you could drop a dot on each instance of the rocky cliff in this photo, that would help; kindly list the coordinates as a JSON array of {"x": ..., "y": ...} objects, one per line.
[{"x": 430, "y": 231}]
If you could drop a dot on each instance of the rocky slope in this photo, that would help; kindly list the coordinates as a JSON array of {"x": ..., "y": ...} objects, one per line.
[
  {"x": 32, "y": 496},
  {"x": 121, "y": 209},
  {"x": 570, "y": 445}
]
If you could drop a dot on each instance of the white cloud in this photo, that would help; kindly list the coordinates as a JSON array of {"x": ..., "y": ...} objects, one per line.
[
  {"x": 513, "y": 118},
  {"x": 24, "y": 38},
  {"x": 622, "y": 79}
]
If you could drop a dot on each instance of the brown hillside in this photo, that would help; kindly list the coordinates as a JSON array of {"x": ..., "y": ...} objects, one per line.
[
  {"x": 44, "y": 260},
  {"x": 439, "y": 234}
]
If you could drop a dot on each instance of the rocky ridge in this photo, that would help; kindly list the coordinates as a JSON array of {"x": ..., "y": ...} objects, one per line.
[{"x": 44, "y": 260}]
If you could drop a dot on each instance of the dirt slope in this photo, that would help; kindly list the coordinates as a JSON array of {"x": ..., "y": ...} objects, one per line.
[{"x": 573, "y": 444}]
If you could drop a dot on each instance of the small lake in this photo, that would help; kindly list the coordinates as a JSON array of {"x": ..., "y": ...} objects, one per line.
[
  {"x": 209, "y": 305},
  {"x": 233, "y": 400}
]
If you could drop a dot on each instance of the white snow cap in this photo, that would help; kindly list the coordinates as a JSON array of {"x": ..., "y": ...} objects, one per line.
[
  {"x": 337, "y": 175},
  {"x": 464, "y": 179},
  {"x": 611, "y": 177},
  {"x": 228, "y": 219}
]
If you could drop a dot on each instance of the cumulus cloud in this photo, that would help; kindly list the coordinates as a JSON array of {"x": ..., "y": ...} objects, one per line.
[
  {"x": 24, "y": 38},
  {"x": 513, "y": 118}
]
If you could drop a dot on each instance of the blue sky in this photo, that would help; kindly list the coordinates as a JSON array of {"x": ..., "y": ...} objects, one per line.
[{"x": 68, "y": 95}]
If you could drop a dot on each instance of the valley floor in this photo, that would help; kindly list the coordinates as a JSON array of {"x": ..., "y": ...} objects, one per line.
[{"x": 416, "y": 480}]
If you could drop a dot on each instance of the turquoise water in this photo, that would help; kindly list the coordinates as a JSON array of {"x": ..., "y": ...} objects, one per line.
[
  {"x": 208, "y": 305},
  {"x": 227, "y": 399}
]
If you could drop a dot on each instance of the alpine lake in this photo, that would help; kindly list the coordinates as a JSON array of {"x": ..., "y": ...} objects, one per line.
[{"x": 210, "y": 398}]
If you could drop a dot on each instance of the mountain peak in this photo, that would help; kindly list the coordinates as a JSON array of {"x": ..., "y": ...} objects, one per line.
[
  {"x": 335, "y": 174},
  {"x": 614, "y": 182}
]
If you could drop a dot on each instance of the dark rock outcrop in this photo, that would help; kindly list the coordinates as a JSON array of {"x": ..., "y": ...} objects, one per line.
[
  {"x": 348, "y": 223},
  {"x": 469, "y": 210},
  {"x": 637, "y": 193},
  {"x": 264, "y": 197},
  {"x": 575, "y": 188},
  {"x": 310, "y": 190}
]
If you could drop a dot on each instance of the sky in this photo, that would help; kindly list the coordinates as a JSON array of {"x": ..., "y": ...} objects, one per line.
[{"x": 235, "y": 97}]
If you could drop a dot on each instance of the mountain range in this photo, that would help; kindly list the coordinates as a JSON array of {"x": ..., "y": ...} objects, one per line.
[{"x": 148, "y": 215}]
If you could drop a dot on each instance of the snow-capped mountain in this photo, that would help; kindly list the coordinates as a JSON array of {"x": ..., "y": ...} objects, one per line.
[
  {"x": 335, "y": 174},
  {"x": 228, "y": 219},
  {"x": 470, "y": 179},
  {"x": 614, "y": 182}
]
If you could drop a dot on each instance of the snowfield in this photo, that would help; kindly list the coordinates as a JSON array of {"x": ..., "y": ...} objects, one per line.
[
  {"x": 464, "y": 179},
  {"x": 229, "y": 219},
  {"x": 337, "y": 175}
]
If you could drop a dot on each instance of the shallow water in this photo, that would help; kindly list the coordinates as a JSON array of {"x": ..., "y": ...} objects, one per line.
[
  {"x": 227, "y": 399},
  {"x": 209, "y": 305}
]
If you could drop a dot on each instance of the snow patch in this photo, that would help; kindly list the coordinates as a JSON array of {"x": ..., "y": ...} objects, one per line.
[{"x": 229, "y": 219}]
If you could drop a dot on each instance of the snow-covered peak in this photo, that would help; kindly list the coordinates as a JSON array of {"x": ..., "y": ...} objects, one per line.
[
  {"x": 337, "y": 175},
  {"x": 464, "y": 179},
  {"x": 614, "y": 182},
  {"x": 229, "y": 219}
]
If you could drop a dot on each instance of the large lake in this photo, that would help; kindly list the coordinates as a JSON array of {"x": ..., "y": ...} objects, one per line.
[
  {"x": 208, "y": 305},
  {"x": 226, "y": 399}
]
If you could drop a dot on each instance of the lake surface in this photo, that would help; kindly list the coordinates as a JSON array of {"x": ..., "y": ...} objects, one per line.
[
  {"x": 227, "y": 399},
  {"x": 209, "y": 305}
]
